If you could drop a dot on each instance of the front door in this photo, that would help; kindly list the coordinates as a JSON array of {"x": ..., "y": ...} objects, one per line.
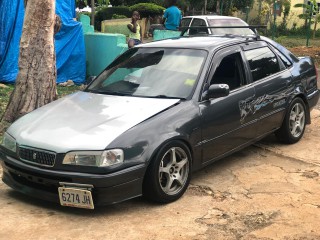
[{"x": 226, "y": 122}]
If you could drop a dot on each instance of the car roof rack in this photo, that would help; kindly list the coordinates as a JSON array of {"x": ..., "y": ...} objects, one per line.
[{"x": 256, "y": 35}]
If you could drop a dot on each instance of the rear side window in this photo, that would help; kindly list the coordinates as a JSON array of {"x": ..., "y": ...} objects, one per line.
[
  {"x": 283, "y": 58},
  {"x": 185, "y": 22},
  {"x": 263, "y": 62},
  {"x": 199, "y": 25}
]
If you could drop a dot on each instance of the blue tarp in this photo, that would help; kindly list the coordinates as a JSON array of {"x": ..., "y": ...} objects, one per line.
[
  {"x": 70, "y": 48},
  {"x": 11, "y": 21},
  {"x": 69, "y": 42}
]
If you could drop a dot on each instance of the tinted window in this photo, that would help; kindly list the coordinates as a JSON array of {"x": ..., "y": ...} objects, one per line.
[
  {"x": 197, "y": 22},
  {"x": 262, "y": 62},
  {"x": 283, "y": 58},
  {"x": 185, "y": 22},
  {"x": 229, "y": 72},
  {"x": 229, "y": 22}
]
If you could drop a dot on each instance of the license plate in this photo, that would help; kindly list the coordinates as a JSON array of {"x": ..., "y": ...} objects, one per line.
[{"x": 73, "y": 197}]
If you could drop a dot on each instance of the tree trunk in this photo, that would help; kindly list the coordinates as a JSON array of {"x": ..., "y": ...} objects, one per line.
[
  {"x": 36, "y": 81},
  {"x": 315, "y": 28},
  {"x": 205, "y": 6},
  {"x": 92, "y": 12},
  {"x": 218, "y": 7}
]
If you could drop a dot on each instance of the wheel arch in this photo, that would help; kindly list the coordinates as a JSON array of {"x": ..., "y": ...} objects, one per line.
[
  {"x": 304, "y": 99},
  {"x": 176, "y": 138},
  {"x": 151, "y": 188}
]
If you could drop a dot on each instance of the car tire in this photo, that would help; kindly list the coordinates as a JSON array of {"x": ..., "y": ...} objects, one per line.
[
  {"x": 294, "y": 123},
  {"x": 169, "y": 173}
]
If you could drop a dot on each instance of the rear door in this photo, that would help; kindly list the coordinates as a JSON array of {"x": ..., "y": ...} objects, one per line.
[
  {"x": 270, "y": 79},
  {"x": 226, "y": 122}
]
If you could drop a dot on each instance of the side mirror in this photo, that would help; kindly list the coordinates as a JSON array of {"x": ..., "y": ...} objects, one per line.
[
  {"x": 216, "y": 91},
  {"x": 90, "y": 80}
]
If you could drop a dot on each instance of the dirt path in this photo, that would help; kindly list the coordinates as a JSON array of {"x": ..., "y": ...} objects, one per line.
[{"x": 267, "y": 191}]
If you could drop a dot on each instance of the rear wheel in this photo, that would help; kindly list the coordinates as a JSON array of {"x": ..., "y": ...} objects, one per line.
[
  {"x": 294, "y": 123},
  {"x": 169, "y": 173}
]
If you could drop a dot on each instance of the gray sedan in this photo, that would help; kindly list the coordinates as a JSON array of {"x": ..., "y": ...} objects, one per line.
[{"x": 159, "y": 112}]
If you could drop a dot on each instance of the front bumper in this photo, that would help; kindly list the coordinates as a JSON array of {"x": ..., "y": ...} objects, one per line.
[{"x": 43, "y": 183}]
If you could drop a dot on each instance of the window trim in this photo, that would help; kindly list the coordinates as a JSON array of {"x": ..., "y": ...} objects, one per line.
[
  {"x": 277, "y": 52},
  {"x": 220, "y": 54},
  {"x": 195, "y": 19},
  {"x": 280, "y": 63}
]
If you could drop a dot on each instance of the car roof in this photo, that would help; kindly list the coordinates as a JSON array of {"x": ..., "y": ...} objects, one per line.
[
  {"x": 196, "y": 42},
  {"x": 212, "y": 17}
]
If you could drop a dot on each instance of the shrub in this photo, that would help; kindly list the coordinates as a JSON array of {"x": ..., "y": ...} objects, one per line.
[
  {"x": 106, "y": 13},
  {"x": 117, "y": 16},
  {"x": 147, "y": 9}
]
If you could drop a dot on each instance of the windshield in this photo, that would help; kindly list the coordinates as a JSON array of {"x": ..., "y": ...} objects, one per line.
[
  {"x": 151, "y": 72},
  {"x": 229, "y": 22}
]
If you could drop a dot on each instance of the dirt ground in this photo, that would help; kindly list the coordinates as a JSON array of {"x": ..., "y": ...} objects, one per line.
[
  {"x": 313, "y": 52},
  {"x": 266, "y": 191}
]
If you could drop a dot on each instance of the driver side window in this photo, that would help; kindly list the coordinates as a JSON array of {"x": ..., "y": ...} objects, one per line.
[{"x": 230, "y": 71}]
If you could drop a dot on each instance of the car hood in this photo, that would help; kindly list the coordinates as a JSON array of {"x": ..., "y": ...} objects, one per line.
[{"x": 84, "y": 121}]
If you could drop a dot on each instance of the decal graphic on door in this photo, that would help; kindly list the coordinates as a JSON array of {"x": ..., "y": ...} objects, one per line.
[{"x": 252, "y": 105}]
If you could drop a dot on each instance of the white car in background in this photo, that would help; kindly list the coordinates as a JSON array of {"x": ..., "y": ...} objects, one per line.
[{"x": 197, "y": 25}]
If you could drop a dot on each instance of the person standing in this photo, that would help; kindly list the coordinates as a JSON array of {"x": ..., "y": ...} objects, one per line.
[
  {"x": 135, "y": 36},
  {"x": 172, "y": 16}
]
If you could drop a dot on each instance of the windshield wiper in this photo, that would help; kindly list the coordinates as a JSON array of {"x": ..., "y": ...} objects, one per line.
[
  {"x": 165, "y": 96},
  {"x": 108, "y": 92}
]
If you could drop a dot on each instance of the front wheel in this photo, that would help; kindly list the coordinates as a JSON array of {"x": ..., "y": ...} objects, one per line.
[
  {"x": 294, "y": 123},
  {"x": 169, "y": 173}
]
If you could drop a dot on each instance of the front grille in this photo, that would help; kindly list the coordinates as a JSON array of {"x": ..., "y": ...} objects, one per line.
[{"x": 37, "y": 156}]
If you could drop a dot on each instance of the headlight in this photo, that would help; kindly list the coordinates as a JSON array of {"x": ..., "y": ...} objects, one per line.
[
  {"x": 94, "y": 158},
  {"x": 9, "y": 142}
]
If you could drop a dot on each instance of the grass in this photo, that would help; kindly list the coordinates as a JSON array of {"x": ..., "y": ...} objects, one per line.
[
  {"x": 294, "y": 41},
  {"x": 6, "y": 90}
]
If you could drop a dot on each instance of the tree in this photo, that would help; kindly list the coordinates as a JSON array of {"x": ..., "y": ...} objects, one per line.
[
  {"x": 310, "y": 11},
  {"x": 147, "y": 9},
  {"x": 92, "y": 12},
  {"x": 92, "y": 4},
  {"x": 216, "y": 5},
  {"x": 36, "y": 80},
  {"x": 286, "y": 5},
  {"x": 133, "y": 2}
]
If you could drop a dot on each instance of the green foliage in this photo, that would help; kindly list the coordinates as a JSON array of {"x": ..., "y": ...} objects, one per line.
[
  {"x": 308, "y": 9},
  {"x": 147, "y": 9},
  {"x": 286, "y": 5},
  {"x": 310, "y": 15},
  {"x": 106, "y": 13},
  {"x": 227, "y": 6},
  {"x": 133, "y": 2},
  {"x": 117, "y": 16},
  {"x": 296, "y": 41},
  {"x": 84, "y": 3}
]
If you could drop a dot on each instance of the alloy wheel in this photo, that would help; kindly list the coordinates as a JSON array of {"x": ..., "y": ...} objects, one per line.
[
  {"x": 173, "y": 170},
  {"x": 297, "y": 120}
]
